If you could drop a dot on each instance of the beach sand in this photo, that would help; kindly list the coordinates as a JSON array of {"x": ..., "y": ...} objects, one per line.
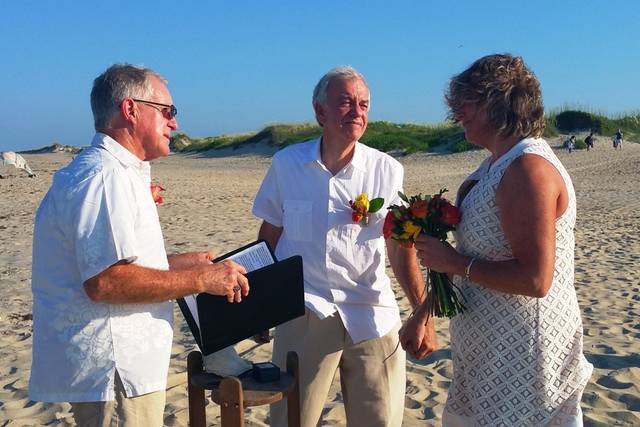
[{"x": 208, "y": 202}]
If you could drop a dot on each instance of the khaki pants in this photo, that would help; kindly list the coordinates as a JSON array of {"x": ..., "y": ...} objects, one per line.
[
  {"x": 138, "y": 411},
  {"x": 373, "y": 391}
]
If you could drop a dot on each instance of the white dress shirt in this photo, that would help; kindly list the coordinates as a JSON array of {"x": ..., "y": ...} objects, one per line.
[
  {"x": 98, "y": 211},
  {"x": 344, "y": 262}
]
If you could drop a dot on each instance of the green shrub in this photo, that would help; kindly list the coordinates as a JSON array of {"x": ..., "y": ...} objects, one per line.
[
  {"x": 464, "y": 145},
  {"x": 409, "y": 138},
  {"x": 571, "y": 121},
  {"x": 580, "y": 145},
  {"x": 550, "y": 128}
]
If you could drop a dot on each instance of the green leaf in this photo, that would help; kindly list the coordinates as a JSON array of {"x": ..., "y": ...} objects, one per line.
[
  {"x": 375, "y": 204},
  {"x": 402, "y": 196}
]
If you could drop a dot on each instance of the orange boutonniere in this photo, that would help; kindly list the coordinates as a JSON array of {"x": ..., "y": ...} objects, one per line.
[
  {"x": 155, "y": 193},
  {"x": 362, "y": 207}
]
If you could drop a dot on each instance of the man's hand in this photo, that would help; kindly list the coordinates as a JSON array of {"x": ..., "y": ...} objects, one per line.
[
  {"x": 225, "y": 278},
  {"x": 262, "y": 337},
  {"x": 418, "y": 337},
  {"x": 190, "y": 259}
]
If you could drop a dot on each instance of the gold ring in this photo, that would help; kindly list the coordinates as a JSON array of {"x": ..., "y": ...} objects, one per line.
[{"x": 236, "y": 288}]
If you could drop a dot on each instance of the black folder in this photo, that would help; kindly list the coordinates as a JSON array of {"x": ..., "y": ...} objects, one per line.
[{"x": 276, "y": 296}]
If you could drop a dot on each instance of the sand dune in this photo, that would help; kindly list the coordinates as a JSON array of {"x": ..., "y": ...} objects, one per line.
[{"x": 208, "y": 200}]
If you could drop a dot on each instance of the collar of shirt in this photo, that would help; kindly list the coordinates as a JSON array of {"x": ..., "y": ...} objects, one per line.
[
  {"x": 124, "y": 156},
  {"x": 357, "y": 161}
]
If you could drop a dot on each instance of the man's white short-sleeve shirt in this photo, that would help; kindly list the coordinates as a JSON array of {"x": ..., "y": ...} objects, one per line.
[
  {"x": 98, "y": 211},
  {"x": 344, "y": 262}
]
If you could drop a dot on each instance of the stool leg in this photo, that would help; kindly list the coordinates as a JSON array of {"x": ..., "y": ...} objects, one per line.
[
  {"x": 293, "y": 396},
  {"x": 197, "y": 415},
  {"x": 231, "y": 403}
]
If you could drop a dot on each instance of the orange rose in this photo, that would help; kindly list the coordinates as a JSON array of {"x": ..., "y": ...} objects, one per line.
[
  {"x": 155, "y": 193},
  {"x": 387, "y": 228},
  {"x": 419, "y": 209},
  {"x": 356, "y": 216}
]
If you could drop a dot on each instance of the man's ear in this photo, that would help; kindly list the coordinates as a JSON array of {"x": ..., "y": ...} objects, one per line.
[
  {"x": 319, "y": 110},
  {"x": 129, "y": 110}
]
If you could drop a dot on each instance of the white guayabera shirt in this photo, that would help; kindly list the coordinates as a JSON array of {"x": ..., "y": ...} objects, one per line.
[
  {"x": 98, "y": 211},
  {"x": 344, "y": 262}
]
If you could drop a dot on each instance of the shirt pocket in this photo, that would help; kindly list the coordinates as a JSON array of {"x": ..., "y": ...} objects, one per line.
[
  {"x": 363, "y": 246},
  {"x": 297, "y": 221}
]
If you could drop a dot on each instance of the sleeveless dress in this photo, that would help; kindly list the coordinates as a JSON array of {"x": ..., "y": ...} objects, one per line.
[{"x": 517, "y": 360}]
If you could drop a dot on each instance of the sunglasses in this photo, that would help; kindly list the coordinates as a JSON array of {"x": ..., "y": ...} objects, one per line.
[{"x": 169, "y": 111}]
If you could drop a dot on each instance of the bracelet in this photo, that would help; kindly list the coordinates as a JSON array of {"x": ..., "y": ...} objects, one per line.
[{"x": 467, "y": 270}]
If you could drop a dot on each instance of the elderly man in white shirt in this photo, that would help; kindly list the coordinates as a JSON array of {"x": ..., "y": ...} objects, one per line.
[
  {"x": 101, "y": 279},
  {"x": 352, "y": 319}
]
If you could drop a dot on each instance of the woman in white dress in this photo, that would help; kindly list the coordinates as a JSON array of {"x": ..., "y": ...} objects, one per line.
[{"x": 517, "y": 348}]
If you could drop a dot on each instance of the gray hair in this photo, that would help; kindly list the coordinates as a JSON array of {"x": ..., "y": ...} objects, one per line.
[
  {"x": 118, "y": 82},
  {"x": 344, "y": 72}
]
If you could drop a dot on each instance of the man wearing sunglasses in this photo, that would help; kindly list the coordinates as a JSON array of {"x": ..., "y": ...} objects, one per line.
[{"x": 102, "y": 281}]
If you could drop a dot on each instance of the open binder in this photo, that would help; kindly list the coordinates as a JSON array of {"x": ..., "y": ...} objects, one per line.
[{"x": 276, "y": 295}]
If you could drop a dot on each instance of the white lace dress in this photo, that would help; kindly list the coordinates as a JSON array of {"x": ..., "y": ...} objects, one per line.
[{"x": 517, "y": 360}]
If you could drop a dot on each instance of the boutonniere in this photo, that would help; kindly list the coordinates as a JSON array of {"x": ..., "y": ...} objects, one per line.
[
  {"x": 362, "y": 207},
  {"x": 155, "y": 193}
]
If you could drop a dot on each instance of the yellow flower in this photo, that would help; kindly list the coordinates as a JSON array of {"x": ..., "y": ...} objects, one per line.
[
  {"x": 411, "y": 231},
  {"x": 362, "y": 203}
]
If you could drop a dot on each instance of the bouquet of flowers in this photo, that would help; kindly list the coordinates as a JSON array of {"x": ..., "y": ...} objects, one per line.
[{"x": 434, "y": 216}]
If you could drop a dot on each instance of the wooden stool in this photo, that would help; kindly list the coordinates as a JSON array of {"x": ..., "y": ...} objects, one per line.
[{"x": 233, "y": 394}]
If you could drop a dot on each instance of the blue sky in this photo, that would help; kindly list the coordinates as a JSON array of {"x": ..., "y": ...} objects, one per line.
[{"x": 235, "y": 67}]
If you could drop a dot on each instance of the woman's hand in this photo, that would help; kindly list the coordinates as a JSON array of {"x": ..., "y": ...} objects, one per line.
[
  {"x": 440, "y": 256},
  {"x": 418, "y": 337}
]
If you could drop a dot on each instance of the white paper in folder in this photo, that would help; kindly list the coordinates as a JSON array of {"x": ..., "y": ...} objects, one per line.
[
  {"x": 252, "y": 257},
  {"x": 227, "y": 362}
]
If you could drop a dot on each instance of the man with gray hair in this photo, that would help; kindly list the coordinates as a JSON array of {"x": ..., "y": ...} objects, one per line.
[
  {"x": 101, "y": 280},
  {"x": 311, "y": 205}
]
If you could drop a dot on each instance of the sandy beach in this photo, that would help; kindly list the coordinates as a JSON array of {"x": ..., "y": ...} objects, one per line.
[{"x": 207, "y": 205}]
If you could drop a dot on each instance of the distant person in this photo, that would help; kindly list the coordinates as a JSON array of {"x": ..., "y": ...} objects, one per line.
[
  {"x": 101, "y": 280},
  {"x": 571, "y": 143},
  {"x": 352, "y": 320},
  {"x": 517, "y": 349},
  {"x": 589, "y": 141},
  {"x": 617, "y": 141}
]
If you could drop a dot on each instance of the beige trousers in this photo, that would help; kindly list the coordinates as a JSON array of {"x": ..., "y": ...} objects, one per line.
[
  {"x": 372, "y": 389},
  {"x": 138, "y": 411}
]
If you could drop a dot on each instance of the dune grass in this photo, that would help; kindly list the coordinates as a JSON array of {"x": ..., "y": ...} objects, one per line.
[
  {"x": 409, "y": 137},
  {"x": 385, "y": 136},
  {"x": 571, "y": 120}
]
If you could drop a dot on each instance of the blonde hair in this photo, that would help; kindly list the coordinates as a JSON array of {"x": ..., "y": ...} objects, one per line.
[{"x": 508, "y": 91}]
